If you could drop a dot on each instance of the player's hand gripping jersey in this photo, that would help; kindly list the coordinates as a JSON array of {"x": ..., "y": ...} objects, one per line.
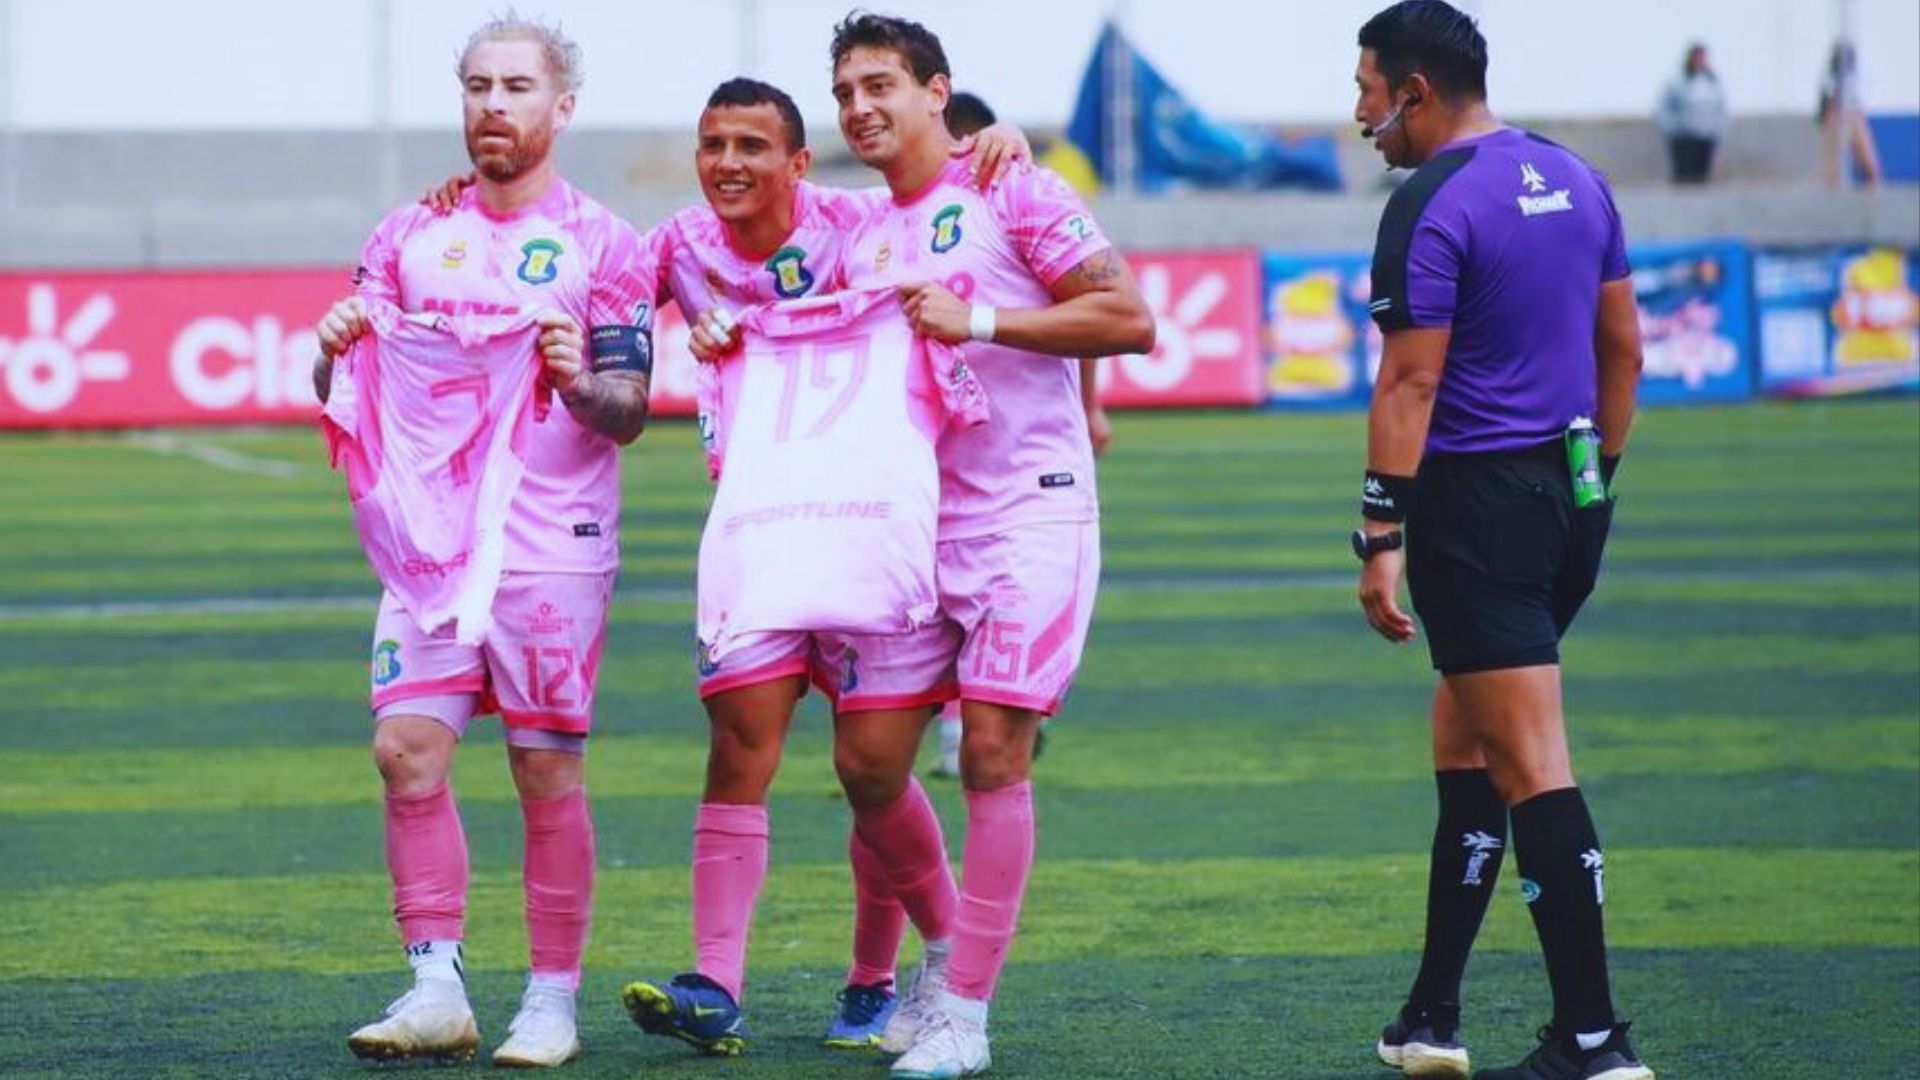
[
  {"x": 430, "y": 416},
  {"x": 822, "y": 434},
  {"x": 1003, "y": 247}
]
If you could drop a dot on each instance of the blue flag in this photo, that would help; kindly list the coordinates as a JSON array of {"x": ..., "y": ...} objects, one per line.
[{"x": 1169, "y": 143}]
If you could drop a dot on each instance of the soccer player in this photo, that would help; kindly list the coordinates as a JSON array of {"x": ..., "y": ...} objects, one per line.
[
  {"x": 1501, "y": 283},
  {"x": 1021, "y": 276},
  {"x": 967, "y": 114},
  {"x": 764, "y": 235},
  {"x": 521, "y": 238}
]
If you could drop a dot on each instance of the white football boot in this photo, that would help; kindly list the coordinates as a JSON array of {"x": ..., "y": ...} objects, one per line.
[
  {"x": 543, "y": 1033},
  {"x": 948, "y": 1048},
  {"x": 916, "y": 1006},
  {"x": 431, "y": 1020}
]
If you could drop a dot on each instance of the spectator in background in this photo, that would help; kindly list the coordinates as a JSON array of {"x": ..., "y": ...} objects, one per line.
[
  {"x": 1693, "y": 114},
  {"x": 1843, "y": 121}
]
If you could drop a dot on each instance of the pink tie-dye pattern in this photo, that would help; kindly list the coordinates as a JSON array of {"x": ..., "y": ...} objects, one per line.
[
  {"x": 701, "y": 269},
  {"x": 430, "y": 417},
  {"x": 1003, "y": 248},
  {"x": 566, "y": 253},
  {"x": 821, "y": 435}
]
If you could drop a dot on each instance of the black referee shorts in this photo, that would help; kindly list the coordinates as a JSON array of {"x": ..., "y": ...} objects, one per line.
[{"x": 1498, "y": 558}]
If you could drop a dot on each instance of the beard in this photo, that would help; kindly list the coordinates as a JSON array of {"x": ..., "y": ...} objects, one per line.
[{"x": 526, "y": 150}]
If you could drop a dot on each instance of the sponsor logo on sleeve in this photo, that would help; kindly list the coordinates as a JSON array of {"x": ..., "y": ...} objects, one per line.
[{"x": 1538, "y": 200}]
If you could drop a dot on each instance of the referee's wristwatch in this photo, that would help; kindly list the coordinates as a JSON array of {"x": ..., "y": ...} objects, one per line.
[{"x": 1366, "y": 547}]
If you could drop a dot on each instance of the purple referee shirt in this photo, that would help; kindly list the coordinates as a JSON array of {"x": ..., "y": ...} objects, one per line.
[{"x": 1506, "y": 238}]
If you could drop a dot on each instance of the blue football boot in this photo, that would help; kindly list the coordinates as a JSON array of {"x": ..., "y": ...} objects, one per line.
[
  {"x": 862, "y": 1016},
  {"x": 691, "y": 1008}
]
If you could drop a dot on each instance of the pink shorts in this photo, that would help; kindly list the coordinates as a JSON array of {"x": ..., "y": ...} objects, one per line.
[
  {"x": 857, "y": 672},
  {"x": 1022, "y": 601},
  {"x": 537, "y": 666}
]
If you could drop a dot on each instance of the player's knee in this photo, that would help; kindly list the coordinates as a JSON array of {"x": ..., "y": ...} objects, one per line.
[
  {"x": 869, "y": 781},
  {"x": 410, "y": 759},
  {"x": 544, "y": 774},
  {"x": 995, "y": 755},
  {"x": 740, "y": 770}
]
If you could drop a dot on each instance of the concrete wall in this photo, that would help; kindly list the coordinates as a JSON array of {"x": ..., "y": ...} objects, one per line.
[{"x": 136, "y": 200}]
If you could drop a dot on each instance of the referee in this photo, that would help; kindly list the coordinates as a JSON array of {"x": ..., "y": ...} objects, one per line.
[{"x": 1512, "y": 350}]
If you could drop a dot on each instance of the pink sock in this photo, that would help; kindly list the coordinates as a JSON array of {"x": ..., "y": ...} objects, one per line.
[
  {"x": 427, "y": 857},
  {"x": 993, "y": 880},
  {"x": 559, "y": 882},
  {"x": 906, "y": 835},
  {"x": 729, "y": 864},
  {"x": 879, "y": 921}
]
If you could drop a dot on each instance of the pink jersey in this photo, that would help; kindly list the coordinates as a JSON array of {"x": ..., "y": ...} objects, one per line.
[
  {"x": 1002, "y": 247},
  {"x": 567, "y": 253},
  {"x": 824, "y": 433},
  {"x": 431, "y": 417},
  {"x": 702, "y": 269}
]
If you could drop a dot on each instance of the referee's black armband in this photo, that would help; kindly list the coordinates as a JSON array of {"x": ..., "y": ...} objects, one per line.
[{"x": 1386, "y": 498}]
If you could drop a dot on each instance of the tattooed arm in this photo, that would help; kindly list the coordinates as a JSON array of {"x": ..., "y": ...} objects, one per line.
[
  {"x": 612, "y": 402},
  {"x": 1096, "y": 311}
]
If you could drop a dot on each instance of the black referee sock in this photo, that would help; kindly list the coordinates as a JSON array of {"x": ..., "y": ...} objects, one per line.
[
  {"x": 1560, "y": 867},
  {"x": 1469, "y": 840}
]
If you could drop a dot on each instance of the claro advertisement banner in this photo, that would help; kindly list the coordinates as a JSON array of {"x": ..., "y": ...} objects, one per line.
[
  {"x": 126, "y": 350},
  {"x": 143, "y": 349}
]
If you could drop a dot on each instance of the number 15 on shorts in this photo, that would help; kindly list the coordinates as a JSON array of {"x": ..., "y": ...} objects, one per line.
[{"x": 998, "y": 650}]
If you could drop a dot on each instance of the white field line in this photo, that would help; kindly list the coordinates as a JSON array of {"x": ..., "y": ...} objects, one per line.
[{"x": 219, "y": 457}]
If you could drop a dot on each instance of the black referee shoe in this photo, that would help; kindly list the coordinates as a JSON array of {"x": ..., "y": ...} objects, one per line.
[
  {"x": 1559, "y": 1057},
  {"x": 1424, "y": 1043}
]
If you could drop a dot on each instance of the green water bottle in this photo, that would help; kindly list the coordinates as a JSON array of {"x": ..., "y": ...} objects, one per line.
[{"x": 1583, "y": 459}]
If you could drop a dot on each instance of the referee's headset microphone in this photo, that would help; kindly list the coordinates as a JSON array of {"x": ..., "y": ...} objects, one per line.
[{"x": 1392, "y": 118}]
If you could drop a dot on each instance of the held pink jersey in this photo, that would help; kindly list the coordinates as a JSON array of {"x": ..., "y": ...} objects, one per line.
[
  {"x": 701, "y": 269},
  {"x": 430, "y": 416},
  {"x": 1003, "y": 247},
  {"x": 565, "y": 252},
  {"x": 823, "y": 432}
]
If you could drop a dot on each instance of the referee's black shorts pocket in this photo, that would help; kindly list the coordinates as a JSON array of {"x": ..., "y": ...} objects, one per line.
[{"x": 1581, "y": 571}]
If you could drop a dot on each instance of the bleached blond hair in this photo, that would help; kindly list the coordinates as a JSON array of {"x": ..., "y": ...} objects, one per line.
[{"x": 560, "y": 52}]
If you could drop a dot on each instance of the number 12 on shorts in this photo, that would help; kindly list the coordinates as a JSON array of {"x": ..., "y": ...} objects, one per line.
[
  {"x": 997, "y": 651},
  {"x": 549, "y": 670}
]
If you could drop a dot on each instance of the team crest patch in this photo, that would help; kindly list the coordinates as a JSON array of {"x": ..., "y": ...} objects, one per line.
[
  {"x": 882, "y": 257},
  {"x": 946, "y": 229},
  {"x": 850, "y": 681},
  {"x": 703, "y": 658},
  {"x": 454, "y": 256},
  {"x": 791, "y": 277},
  {"x": 537, "y": 268},
  {"x": 717, "y": 283},
  {"x": 386, "y": 662}
]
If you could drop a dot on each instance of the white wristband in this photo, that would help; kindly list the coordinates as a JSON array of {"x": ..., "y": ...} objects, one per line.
[{"x": 981, "y": 322}]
